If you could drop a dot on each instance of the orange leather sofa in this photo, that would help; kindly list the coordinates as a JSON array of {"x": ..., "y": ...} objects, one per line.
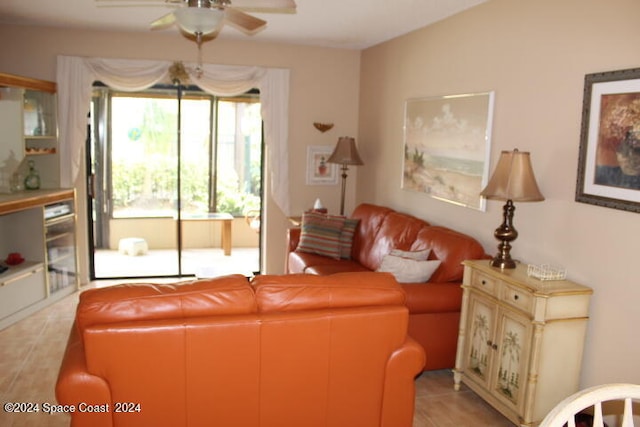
[
  {"x": 279, "y": 351},
  {"x": 434, "y": 306}
]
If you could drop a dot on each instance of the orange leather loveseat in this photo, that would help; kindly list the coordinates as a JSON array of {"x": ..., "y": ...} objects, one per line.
[
  {"x": 434, "y": 306},
  {"x": 280, "y": 351}
]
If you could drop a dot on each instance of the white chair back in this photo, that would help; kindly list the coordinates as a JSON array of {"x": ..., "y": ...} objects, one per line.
[{"x": 564, "y": 412}]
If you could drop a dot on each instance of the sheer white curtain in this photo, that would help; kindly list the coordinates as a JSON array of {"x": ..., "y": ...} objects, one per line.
[{"x": 76, "y": 75}]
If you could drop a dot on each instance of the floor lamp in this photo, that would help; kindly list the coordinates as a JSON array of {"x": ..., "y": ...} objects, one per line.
[
  {"x": 345, "y": 154},
  {"x": 512, "y": 181}
]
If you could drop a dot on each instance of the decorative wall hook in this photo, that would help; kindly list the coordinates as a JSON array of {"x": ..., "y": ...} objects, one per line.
[{"x": 323, "y": 127}]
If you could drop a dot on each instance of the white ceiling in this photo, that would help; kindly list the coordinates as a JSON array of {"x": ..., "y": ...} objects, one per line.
[{"x": 354, "y": 24}]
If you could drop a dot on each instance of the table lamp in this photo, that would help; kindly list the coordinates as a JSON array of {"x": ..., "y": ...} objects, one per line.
[{"x": 512, "y": 180}]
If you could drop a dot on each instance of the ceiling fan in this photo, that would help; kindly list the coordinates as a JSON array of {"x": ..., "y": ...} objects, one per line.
[
  {"x": 208, "y": 16},
  {"x": 202, "y": 20}
]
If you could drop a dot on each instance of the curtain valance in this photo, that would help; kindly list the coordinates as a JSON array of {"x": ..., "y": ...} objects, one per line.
[{"x": 76, "y": 75}]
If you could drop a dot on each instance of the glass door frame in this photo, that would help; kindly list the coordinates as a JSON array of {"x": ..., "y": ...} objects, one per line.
[{"x": 98, "y": 157}]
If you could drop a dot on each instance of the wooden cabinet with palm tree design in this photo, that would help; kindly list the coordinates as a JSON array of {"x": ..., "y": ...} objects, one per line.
[{"x": 521, "y": 339}]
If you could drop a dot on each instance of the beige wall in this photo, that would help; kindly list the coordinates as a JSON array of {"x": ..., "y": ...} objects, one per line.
[
  {"x": 534, "y": 55},
  {"x": 323, "y": 87}
]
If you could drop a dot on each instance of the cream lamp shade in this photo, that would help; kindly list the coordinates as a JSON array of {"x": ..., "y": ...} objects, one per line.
[
  {"x": 513, "y": 179},
  {"x": 345, "y": 152}
]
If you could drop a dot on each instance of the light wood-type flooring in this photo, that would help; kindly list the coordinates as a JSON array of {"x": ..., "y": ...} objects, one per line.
[{"x": 31, "y": 351}]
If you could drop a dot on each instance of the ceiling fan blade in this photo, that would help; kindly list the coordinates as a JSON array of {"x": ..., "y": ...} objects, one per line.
[
  {"x": 265, "y": 6},
  {"x": 244, "y": 21},
  {"x": 136, "y": 3},
  {"x": 164, "y": 21}
]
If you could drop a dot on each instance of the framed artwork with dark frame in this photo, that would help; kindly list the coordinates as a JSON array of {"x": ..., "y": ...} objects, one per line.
[{"x": 609, "y": 158}]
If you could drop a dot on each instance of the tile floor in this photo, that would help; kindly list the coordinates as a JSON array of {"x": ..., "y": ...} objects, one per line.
[{"x": 31, "y": 351}]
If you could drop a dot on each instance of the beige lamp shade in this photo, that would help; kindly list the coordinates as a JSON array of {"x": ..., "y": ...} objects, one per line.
[
  {"x": 513, "y": 179},
  {"x": 345, "y": 152}
]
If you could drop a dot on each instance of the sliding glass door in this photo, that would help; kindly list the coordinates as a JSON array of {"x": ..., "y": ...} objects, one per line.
[{"x": 173, "y": 171}]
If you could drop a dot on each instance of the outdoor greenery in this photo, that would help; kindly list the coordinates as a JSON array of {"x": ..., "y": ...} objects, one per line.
[
  {"x": 159, "y": 176},
  {"x": 144, "y": 162}
]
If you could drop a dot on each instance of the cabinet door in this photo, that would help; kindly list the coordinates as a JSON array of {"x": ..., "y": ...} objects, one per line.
[
  {"x": 61, "y": 253},
  {"x": 512, "y": 357},
  {"x": 40, "y": 122},
  {"x": 11, "y": 142},
  {"x": 480, "y": 327}
]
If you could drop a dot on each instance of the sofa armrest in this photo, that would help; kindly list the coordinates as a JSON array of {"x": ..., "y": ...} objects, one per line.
[
  {"x": 399, "y": 393},
  {"x": 293, "y": 237},
  {"x": 76, "y": 385}
]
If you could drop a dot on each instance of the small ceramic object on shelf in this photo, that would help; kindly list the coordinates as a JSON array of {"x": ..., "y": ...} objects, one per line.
[
  {"x": 17, "y": 182},
  {"x": 14, "y": 258},
  {"x": 32, "y": 181}
]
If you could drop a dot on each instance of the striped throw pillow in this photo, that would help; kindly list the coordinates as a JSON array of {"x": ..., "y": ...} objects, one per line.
[
  {"x": 320, "y": 234},
  {"x": 346, "y": 237}
]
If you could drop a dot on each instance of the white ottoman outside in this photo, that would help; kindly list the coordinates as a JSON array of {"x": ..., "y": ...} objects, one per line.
[{"x": 133, "y": 246}]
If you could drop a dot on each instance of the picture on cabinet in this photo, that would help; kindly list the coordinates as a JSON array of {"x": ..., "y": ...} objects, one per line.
[
  {"x": 447, "y": 141},
  {"x": 609, "y": 156}
]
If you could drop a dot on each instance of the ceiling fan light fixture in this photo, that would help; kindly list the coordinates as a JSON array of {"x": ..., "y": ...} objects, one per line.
[{"x": 203, "y": 21}]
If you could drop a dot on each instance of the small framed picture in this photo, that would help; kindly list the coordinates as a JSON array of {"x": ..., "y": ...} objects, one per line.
[
  {"x": 609, "y": 157},
  {"x": 319, "y": 172}
]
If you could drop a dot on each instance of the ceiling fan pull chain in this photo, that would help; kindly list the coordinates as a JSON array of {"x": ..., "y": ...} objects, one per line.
[{"x": 199, "y": 69}]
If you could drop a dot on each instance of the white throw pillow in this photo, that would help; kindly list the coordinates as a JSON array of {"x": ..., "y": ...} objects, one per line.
[
  {"x": 417, "y": 255},
  {"x": 407, "y": 270}
]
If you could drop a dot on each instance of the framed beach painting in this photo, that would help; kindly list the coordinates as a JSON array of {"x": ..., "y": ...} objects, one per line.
[
  {"x": 447, "y": 144},
  {"x": 609, "y": 157}
]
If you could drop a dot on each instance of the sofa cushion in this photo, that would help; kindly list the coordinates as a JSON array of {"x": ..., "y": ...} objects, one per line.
[
  {"x": 407, "y": 270},
  {"x": 343, "y": 266},
  {"x": 433, "y": 297},
  {"x": 146, "y": 301},
  {"x": 300, "y": 262},
  {"x": 397, "y": 231},
  {"x": 321, "y": 234},
  {"x": 371, "y": 217},
  {"x": 449, "y": 246},
  {"x": 309, "y": 292}
]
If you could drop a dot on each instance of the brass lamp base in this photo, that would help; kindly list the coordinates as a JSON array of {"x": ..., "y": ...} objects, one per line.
[{"x": 506, "y": 233}]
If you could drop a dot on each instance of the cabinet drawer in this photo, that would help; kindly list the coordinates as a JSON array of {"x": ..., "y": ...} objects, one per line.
[
  {"x": 517, "y": 297},
  {"x": 484, "y": 282},
  {"x": 22, "y": 290}
]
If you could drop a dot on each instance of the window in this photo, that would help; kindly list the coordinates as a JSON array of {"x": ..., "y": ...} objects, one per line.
[{"x": 216, "y": 174}]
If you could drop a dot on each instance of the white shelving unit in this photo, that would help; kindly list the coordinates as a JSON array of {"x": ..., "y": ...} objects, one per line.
[
  {"x": 48, "y": 245},
  {"x": 28, "y": 119}
]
